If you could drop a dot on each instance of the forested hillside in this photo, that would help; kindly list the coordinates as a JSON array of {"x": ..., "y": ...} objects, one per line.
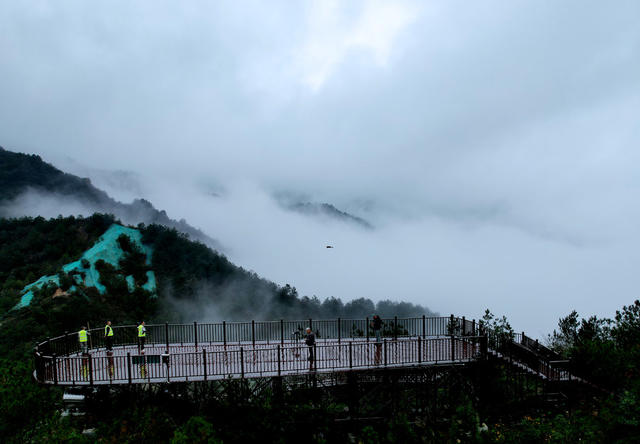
[
  {"x": 23, "y": 173},
  {"x": 189, "y": 274},
  {"x": 483, "y": 404}
]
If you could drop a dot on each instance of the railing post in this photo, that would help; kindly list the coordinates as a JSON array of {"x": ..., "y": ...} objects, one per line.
[
  {"x": 224, "y": 334},
  {"x": 282, "y": 331},
  {"x": 451, "y": 326},
  {"x": 195, "y": 334},
  {"x": 278, "y": 348},
  {"x": 473, "y": 328},
  {"x": 367, "y": 328},
  {"x": 166, "y": 335},
  {"x": 424, "y": 326},
  {"x": 419, "y": 350},
  {"x": 129, "y": 366},
  {"x": 241, "y": 362},
  {"x": 55, "y": 369},
  {"x": 395, "y": 328},
  {"x": 90, "y": 369},
  {"x": 453, "y": 348},
  {"x": 484, "y": 346},
  {"x": 385, "y": 351},
  {"x": 523, "y": 341},
  {"x": 339, "y": 330},
  {"x": 204, "y": 363},
  {"x": 89, "y": 334},
  {"x": 311, "y": 324},
  {"x": 350, "y": 355},
  {"x": 464, "y": 326},
  {"x": 253, "y": 333}
]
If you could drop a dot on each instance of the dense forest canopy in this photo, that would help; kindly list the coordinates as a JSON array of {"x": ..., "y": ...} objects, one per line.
[{"x": 191, "y": 278}]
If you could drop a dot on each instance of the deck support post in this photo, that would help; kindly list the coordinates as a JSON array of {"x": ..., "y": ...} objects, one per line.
[
  {"x": 350, "y": 355},
  {"x": 385, "y": 351},
  {"x": 395, "y": 328},
  {"x": 453, "y": 348},
  {"x": 204, "y": 363},
  {"x": 339, "y": 330},
  {"x": 195, "y": 334},
  {"x": 55, "y": 369},
  {"x": 281, "y": 331},
  {"x": 166, "y": 336},
  {"x": 484, "y": 346},
  {"x": 242, "y": 362},
  {"x": 224, "y": 334},
  {"x": 90, "y": 369},
  {"x": 424, "y": 322},
  {"x": 129, "y": 366},
  {"x": 419, "y": 350},
  {"x": 366, "y": 327},
  {"x": 279, "y": 359},
  {"x": 253, "y": 333}
]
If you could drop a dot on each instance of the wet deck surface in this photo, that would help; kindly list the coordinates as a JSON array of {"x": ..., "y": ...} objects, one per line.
[{"x": 216, "y": 361}]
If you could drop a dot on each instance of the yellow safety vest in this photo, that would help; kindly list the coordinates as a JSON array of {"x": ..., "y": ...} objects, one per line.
[
  {"x": 82, "y": 336},
  {"x": 108, "y": 331},
  {"x": 141, "y": 331}
]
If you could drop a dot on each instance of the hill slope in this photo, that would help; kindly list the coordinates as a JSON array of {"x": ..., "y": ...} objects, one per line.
[
  {"x": 23, "y": 176},
  {"x": 192, "y": 281}
]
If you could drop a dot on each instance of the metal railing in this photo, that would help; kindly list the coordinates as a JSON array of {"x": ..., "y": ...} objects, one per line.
[
  {"x": 187, "y": 347},
  {"x": 263, "y": 331},
  {"x": 259, "y": 348},
  {"x": 520, "y": 348},
  {"x": 246, "y": 361}
]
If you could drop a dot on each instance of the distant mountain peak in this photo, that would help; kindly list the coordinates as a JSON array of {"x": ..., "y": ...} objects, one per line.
[{"x": 327, "y": 210}]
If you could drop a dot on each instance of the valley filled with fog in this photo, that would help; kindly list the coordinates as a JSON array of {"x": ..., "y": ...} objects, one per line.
[{"x": 470, "y": 156}]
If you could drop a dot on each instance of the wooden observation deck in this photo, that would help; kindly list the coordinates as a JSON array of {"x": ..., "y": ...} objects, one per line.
[{"x": 256, "y": 349}]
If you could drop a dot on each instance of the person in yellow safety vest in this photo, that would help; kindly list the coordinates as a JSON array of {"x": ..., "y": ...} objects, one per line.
[
  {"x": 108, "y": 336},
  {"x": 142, "y": 333},
  {"x": 83, "y": 336}
]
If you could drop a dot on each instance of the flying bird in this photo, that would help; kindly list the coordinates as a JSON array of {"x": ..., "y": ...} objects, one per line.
[{"x": 329, "y": 246}]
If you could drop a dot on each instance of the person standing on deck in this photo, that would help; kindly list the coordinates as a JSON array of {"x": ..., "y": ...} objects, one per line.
[
  {"x": 310, "y": 340},
  {"x": 142, "y": 333},
  {"x": 83, "y": 337},
  {"x": 108, "y": 336},
  {"x": 376, "y": 325}
]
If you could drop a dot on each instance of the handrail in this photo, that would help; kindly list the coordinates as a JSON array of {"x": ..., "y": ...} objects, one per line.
[
  {"x": 270, "y": 331},
  {"x": 521, "y": 348},
  {"x": 244, "y": 360}
]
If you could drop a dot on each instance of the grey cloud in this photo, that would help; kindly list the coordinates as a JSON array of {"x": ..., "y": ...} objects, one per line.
[{"x": 498, "y": 141}]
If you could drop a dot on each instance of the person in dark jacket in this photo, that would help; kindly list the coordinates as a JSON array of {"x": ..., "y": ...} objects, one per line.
[
  {"x": 310, "y": 340},
  {"x": 376, "y": 325}
]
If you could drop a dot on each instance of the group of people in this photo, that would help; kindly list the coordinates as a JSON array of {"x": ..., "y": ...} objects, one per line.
[
  {"x": 309, "y": 339},
  {"x": 83, "y": 338}
]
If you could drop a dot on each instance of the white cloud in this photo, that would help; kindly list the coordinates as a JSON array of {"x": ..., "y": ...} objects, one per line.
[
  {"x": 493, "y": 144},
  {"x": 336, "y": 32}
]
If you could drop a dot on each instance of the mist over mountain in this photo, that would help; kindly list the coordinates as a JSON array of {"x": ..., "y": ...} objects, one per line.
[
  {"x": 31, "y": 187},
  {"x": 326, "y": 210},
  {"x": 194, "y": 282}
]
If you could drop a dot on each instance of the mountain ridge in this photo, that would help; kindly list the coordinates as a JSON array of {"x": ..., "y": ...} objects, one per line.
[{"x": 22, "y": 173}]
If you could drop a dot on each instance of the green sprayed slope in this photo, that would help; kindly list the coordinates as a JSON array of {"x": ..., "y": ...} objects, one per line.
[{"x": 84, "y": 270}]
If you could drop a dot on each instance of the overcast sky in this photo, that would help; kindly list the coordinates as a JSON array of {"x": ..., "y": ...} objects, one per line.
[{"x": 493, "y": 145}]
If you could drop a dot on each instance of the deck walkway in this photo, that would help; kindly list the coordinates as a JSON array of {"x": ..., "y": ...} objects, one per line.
[{"x": 216, "y": 361}]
